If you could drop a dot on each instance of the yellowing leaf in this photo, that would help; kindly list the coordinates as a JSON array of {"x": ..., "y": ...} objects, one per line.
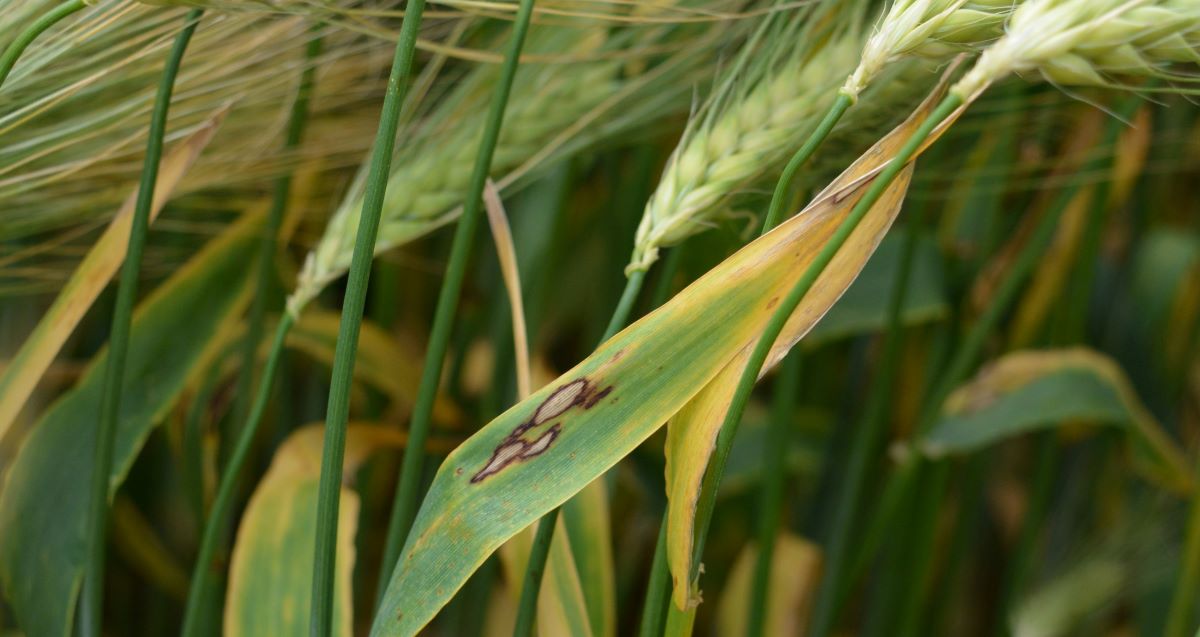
[
  {"x": 1046, "y": 288},
  {"x": 89, "y": 279},
  {"x": 692, "y": 433},
  {"x": 547, "y": 448},
  {"x": 586, "y": 518},
  {"x": 384, "y": 361},
  {"x": 138, "y": 542},
  {"x": 270, "y": 576},
  {"x": 1030, "y": 390},
  {"x": 561, "y": 609},
  {"x": 795, "y": 573}
]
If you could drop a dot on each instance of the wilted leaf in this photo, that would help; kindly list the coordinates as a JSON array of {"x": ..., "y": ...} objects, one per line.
[{"x": 692, "y": 433}]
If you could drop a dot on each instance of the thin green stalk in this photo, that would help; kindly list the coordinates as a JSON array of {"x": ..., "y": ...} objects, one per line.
[
  {"x": 771, "y": 497},
  {"x": 741, "y": 396},
  {"x": 924, "y": 507},
  {"x": 620, "y": 316},
  {"x": 1183, "y": 600},
  {"x": 656, "y": 589},
  {"x": 338, "y": 410},
  {"x": 222, "y": 507},
  {"x": 655, "y": 606},
  {"x": 191, "y": 472},
  {"x": 770, "y": 506},
  {"x": 404, "y": 506},
  {"x": 268, "y": 244},
  {"x": 666, "y": 276},
  {"x": 536, "y": 567},
  {"x": 540, "y": 551},
  {"x": 915, "y": 584},
  {"x": 15, "y": 48},
  {"x": 1018, "y": 565},
  {"x": 92, "y": 602},
  {"x": 864, "y": 448},
  {"x": 780, "y": 198}
]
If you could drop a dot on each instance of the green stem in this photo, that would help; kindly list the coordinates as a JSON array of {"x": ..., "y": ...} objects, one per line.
[
  {"x": 1183, "y": 600},
  {"x": 666, "y": 276},
  {"x": 338, "y": 410},
  {"x": 864, "y": 448},
  {"x": 656, "y": 590},
  {"x": 404, "y": 506},
  {"x": 771, "y": 497},
  {"x": 741, "y": 396},
  {"x": 655, "y": 605},
  {"x": 770, "y": 505},
  {"x": 536, "y": 567},
  {"x": 620, "y": 316},
  {"x": 1018, "y": 565},
  {"x": 656, "y": 587},
  {"x": 540, "y": 551},
  {"x": 783, "y": 187},
  {"x": 91, "y": 604},
  {"x": 14, "y": 50},
  {"x": 222, "y": 508},
  {"x": 915, "y": 585},
  {"x": 268, "y": 244},
  {"x": 191, "y": 471}
]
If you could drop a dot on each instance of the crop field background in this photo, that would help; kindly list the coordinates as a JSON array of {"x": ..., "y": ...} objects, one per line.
[{"x": 600, "y": 318}]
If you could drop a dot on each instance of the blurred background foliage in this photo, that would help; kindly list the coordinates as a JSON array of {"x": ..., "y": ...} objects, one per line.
[{"x": 1050, "y": 528}]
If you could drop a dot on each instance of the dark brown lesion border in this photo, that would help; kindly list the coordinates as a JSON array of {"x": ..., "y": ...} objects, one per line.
[{"x": 518, "y": 447}]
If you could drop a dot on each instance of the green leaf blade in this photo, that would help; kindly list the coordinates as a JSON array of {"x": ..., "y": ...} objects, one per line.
[{"x": 43, "y": 507}]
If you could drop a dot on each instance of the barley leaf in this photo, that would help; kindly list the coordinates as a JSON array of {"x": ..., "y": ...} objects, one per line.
[
  {"x": 270, "y": 587},
  {"x": 561, "y": 609},
  {"x": 547, "y": 448},
  {"x": 1032, "y": 390},
  {"x": 589, "y": 528},
  {"x": 89, "y": 279},
  {"x": 387, "y": 363},
  {"x": 43, "y": 507},
  {"x": 795, "y": 569},
  {"x": 692, "y": 434},
  {"x": 863, "y": 308},
  {"x": 270, "y": 583}
]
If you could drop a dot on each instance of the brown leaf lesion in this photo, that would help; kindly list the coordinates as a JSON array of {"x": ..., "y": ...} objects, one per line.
[{"x": 534, "y": 436}]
